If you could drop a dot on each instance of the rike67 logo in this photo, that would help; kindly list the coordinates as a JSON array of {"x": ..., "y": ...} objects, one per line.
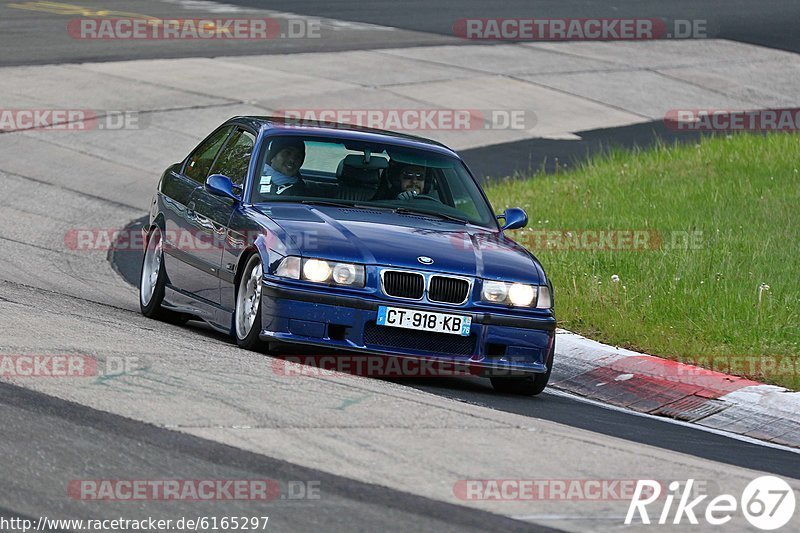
[{"x": 767, "y": 503}]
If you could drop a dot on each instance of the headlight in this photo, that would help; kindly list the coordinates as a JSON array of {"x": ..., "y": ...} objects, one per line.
[
  {"x": 345, "y": 273},
  {"x": 322, "y": 271},
  {"x": 495, "y": 291},
  {"x": 516, "y": 294},
  {"x": 316, "y": 270},
  {"x": 521, "y": 295}
]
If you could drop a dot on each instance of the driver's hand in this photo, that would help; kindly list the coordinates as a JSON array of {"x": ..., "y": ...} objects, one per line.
[{"x": 407, "y": 195}]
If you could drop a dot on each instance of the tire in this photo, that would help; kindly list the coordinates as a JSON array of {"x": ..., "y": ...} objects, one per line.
[
  {"x": 247, "y": 313},
  {"x": 527, "y": 386},
  {"x": 152, "y": 281}
]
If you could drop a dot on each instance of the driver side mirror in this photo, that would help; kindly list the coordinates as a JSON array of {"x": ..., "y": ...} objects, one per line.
[
  {"x": 514, "y": 217},
  {"x": 220, "y": 185}
]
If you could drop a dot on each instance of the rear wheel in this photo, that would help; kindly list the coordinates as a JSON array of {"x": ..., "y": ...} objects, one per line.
[
  {"x": 527, "y": 386},
  {"x": 247, "y": 316},
  {"x": 153, "y": 281}
]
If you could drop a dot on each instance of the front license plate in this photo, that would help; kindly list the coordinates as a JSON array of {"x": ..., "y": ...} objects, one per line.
[{"x": 424, "y": 320}]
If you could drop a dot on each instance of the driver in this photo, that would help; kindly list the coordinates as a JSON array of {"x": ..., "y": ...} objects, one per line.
[
  {"x": 412, "y": 182},
  {"x": 281, "y": 172}
]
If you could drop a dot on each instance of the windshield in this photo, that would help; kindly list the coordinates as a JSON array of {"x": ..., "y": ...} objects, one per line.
[{"x": 358, "y": 174}]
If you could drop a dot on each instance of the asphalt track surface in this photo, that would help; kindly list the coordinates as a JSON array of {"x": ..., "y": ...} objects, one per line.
[
  {"x": 123, "y": 444},
  {"x": 770, "y": 23},
  {"x": 526, "y": 157},
  {"x": 48, "y": 440},
  {"x": 34, "y": 33}
]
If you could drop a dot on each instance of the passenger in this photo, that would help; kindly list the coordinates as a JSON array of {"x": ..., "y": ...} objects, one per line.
[{"x": 281, "y": 172}]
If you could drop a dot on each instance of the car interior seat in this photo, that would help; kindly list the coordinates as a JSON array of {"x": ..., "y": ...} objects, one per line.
[{"x": 359, "y": 176}]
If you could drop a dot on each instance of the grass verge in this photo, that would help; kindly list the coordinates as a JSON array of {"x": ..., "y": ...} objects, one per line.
[{"x": 690, "y": 252}]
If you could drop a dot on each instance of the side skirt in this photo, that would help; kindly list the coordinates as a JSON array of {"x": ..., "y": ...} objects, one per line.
[{"x": 217, "y": 317}]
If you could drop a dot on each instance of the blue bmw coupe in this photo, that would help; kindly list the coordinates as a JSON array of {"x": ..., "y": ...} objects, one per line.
[{"x": 349, "y": 239}]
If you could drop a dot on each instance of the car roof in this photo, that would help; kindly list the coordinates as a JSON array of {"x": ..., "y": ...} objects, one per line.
[{"x": 335, "y": 130}]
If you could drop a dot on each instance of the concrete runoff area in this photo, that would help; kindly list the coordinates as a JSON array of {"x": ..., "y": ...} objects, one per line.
[
  {"x": 58, "y": 300},
  {"x": 563, "y": 88}
]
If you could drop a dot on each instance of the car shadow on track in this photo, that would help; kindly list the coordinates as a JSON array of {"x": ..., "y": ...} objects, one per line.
[{"x": 300, "y": 360}]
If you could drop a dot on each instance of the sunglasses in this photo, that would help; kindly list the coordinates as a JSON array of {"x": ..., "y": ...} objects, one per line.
[{"x": 413, "y": 175}]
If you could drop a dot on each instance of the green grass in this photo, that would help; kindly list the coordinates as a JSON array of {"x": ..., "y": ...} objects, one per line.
[{"x": 706, "y": 303}]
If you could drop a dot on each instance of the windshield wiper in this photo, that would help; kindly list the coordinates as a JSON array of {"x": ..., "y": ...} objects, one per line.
[
  {"x": 372, "y": 206},
  {"x": 410, "y": 211},
  {"x": 334, "y": 203},
  {"x": 331, "y": 203}
]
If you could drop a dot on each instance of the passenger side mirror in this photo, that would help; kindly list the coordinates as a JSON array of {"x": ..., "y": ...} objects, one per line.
[
  {"x": 220, "y": 185},
  {"x": 514, "y": 217}
]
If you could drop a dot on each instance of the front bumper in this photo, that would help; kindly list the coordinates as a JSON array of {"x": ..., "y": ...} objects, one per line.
[{"x": 498, "y": 344}]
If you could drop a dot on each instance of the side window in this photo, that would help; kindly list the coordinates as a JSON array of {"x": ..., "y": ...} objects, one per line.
[
  {"x": 234, "y": 159},
  {"x": 201, "y": 159}
]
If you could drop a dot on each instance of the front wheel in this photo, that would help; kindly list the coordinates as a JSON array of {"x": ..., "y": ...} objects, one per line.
[
  {"x": 527, "y": 386},
  {"x": 247, "y": 316}
]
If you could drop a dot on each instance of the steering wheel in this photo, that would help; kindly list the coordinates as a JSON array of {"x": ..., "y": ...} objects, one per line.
[{"x": 424, "y": 197}]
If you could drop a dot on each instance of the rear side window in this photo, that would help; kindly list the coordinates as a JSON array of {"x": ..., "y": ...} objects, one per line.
[
  {"x": 234, "y": 159},
  {"x": 202, "y": 158}
]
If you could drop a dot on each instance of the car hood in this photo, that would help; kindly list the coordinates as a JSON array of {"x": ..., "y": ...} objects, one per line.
[{"x": 385, "y": 238}]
